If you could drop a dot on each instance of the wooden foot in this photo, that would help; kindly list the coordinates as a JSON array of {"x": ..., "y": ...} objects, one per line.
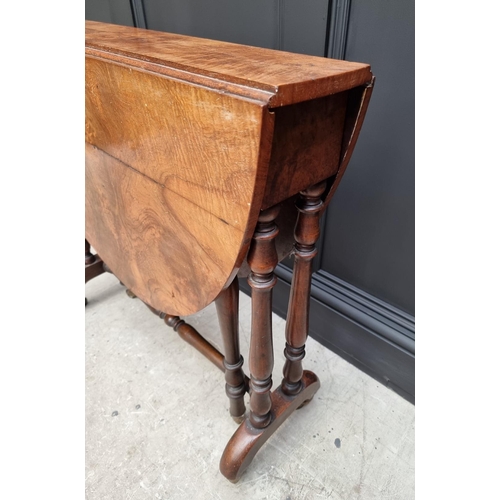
[{"x": 247, "y": 440}]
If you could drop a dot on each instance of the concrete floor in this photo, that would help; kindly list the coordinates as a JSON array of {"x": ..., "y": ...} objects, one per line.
[{"x": 157, "y": 417}]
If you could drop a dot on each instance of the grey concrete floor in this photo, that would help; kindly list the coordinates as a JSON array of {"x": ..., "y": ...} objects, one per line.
[{"x": 157, "y": 417}]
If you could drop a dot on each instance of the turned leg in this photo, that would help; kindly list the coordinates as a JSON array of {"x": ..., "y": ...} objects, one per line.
[
  {"x": 270, "y": 410},
  {"x": 297, "y": 325},
  {"x": 262, "y": 259},
  {"x": 227, "y": 311}
]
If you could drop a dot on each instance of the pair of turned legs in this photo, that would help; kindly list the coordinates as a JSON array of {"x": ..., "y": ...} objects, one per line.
[{"x": 268, "y": 410}]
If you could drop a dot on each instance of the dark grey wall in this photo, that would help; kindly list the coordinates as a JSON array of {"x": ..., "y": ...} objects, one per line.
[
  {"x": 109, "y": 11},
  {"x": 274, "y": 24},
  {"x": 371, "y": 222}
]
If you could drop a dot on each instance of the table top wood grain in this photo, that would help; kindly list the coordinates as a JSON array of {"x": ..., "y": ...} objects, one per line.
[{"x": 288, "y": 78}]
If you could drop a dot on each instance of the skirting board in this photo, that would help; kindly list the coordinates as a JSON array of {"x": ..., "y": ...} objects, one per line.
[{"x": 372, "y": 335}]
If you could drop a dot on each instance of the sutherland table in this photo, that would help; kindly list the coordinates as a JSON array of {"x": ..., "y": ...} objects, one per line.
[{"x": 206, "y": 161}]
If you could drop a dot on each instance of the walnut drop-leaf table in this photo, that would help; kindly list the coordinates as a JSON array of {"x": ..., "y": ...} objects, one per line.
[{"x": 207, "y": 161}]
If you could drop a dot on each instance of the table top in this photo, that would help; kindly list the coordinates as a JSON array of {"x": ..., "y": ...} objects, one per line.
[{"x": 287, "y": 77}]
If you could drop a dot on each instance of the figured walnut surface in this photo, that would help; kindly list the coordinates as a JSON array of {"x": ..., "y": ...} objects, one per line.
[
  {"x": 171, "y": 175},
  {"x": 181, "y": 144},
  {"x": 288, "y": 77}
]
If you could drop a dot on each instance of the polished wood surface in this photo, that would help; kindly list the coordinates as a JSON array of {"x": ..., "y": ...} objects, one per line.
[
  {"x": 305, "y": 135},
  {"x": 166, "y": 158},
  {"x": 205, "y": 161},
  {"x": 287, "y": 78}
]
